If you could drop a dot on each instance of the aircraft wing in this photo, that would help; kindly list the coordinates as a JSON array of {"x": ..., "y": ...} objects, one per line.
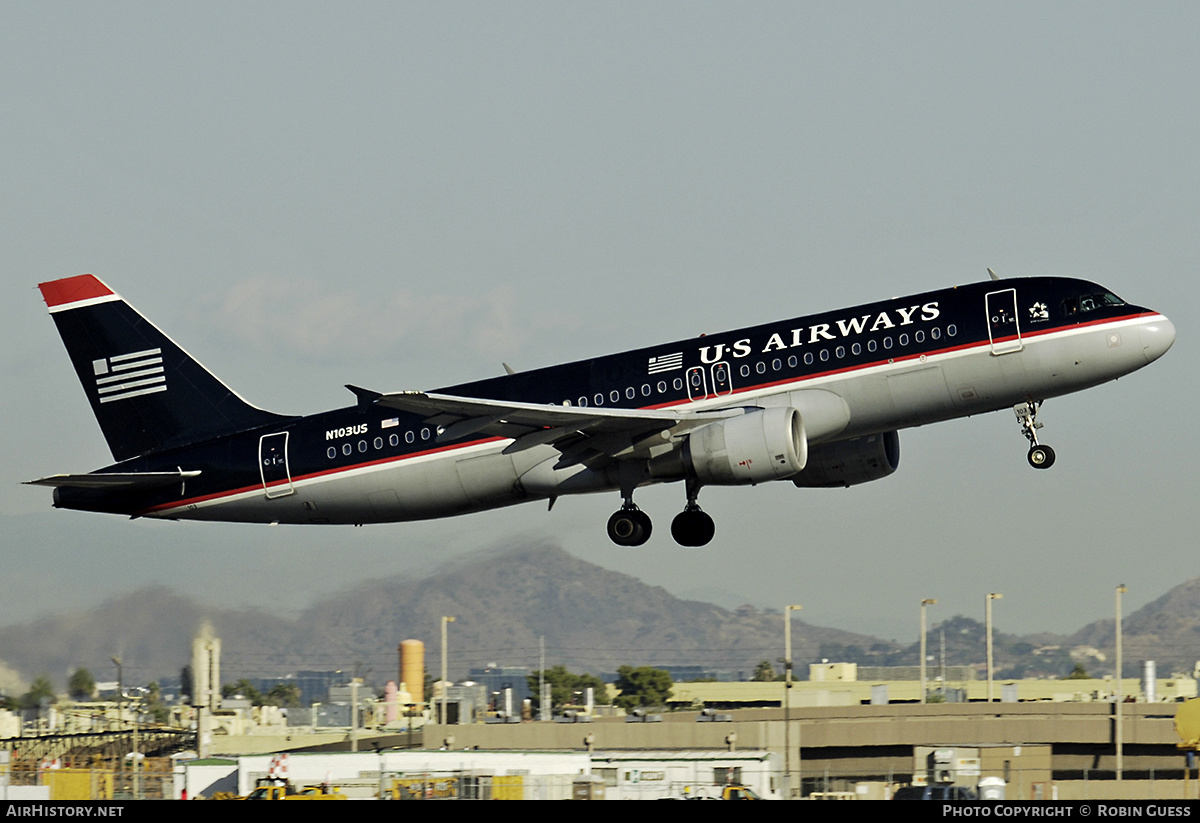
[
  {"x": 610, "y": 432},
  {"x": 113, "y": 480}
]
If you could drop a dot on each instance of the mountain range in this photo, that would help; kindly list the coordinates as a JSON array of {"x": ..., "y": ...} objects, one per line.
[{"x": 518, "y": 606}]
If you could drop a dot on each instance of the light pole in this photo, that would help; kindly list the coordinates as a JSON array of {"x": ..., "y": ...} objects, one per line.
[
  {"x": 445, "y": 620},
  {"x": 988, "y": 604},
  {"x": 120, "y": 714},
  {"x": 929, "y": 601},
  {"x": 138, "y": 694},
  {"x": 787, "y": 696},
  {"x": 1121, "y": 589}
]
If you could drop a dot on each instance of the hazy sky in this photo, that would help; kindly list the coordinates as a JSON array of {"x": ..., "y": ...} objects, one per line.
[{"x": 403, "y": 195}]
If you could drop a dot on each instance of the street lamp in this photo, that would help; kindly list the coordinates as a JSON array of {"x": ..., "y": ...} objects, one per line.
[
  {"x": 787, "y": 696},
  {"x": 137, "y": 695},
  {"x": 929, "y": 601},
  {"x": 445, "y": 620},
  {"x": 120, "y": 714},
  {"x": 988, "y": 604},
  {"x": 1121, "y": 589}
]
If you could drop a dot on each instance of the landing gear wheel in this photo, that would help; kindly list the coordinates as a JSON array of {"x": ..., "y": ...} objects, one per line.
[
  {"x": 692, "y": 527},
  {"x": 629, "y": 527},
  {"x": 1041, "y": 457}
]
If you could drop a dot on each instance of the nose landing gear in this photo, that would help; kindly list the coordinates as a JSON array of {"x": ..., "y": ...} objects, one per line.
[{"x": 1040, "y": 456}]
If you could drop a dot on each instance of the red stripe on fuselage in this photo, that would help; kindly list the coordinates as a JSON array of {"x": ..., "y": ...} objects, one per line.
[{"x": 311, "y": 475}]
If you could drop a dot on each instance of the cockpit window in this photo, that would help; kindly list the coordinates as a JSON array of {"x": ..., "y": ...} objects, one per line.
[{"x": 1084, "y": 303}]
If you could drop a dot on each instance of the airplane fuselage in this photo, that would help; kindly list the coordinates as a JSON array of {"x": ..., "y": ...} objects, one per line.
[{"x": 852, "y": 374}]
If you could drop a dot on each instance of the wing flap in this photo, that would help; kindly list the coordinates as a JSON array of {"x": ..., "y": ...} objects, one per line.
[
  {"x": 489, "y": 415},
  {"x": 573, "y": 429}
]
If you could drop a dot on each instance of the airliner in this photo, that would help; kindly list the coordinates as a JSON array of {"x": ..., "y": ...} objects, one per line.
[{"x": 816, "y": 400}]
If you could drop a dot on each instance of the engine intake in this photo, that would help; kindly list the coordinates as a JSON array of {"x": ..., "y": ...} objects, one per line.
[{"x": 767, "y": 444}]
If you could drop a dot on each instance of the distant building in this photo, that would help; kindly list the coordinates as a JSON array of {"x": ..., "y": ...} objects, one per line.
[
  {"x": 495, "y": 679},
  {"x": 314, "y": 686},
  {"x": 954, "y": 674}
]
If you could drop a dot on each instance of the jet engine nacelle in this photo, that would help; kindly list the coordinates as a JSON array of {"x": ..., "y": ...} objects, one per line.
[
  {"x": 850, "y": 462},
  {"x": 768, "y": 444}
]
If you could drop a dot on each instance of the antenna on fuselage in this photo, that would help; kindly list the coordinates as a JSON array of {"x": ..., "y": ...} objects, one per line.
[
  {"x": 508, "y": 369},
  {"x": 993, "y": 275}
]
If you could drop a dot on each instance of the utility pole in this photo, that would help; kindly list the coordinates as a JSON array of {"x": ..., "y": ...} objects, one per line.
[
  {"x": 929, "y": 601},
  {"x": 988, "y": 604},
  {"x": 445, "y": 682},
  {"x": 1121, "y": 589},
  {"x": 787, "y": 697}
]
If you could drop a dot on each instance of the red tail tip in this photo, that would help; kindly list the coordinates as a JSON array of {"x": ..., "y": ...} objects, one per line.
[{"x": 73, "y": 290}]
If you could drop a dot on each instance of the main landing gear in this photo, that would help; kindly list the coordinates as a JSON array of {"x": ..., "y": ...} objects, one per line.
[
  {"x": 1040, "y": 457},
  {"x": 692, "y": 527},
  {"x": 630, "y": 526}
]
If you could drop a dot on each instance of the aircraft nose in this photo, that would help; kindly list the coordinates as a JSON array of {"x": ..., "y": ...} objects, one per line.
[{"x": 1157, "y": 336}]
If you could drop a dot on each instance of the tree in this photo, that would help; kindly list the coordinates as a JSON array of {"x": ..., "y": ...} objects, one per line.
[
  {"x": 81, "y": 685},
  {"x": 641, "y": 687},
  {"x": 763, "y": 672},
  {"x": 564, "y": 685},
  {"x": 1078, "y": 673},
  {"x": 245, "y": 689},
  {"x": 41, "y": 690},
  {"x": 284, "y": 695},
  {"x": 154, "y": 706},
  {"x": 187, "y": 684}
]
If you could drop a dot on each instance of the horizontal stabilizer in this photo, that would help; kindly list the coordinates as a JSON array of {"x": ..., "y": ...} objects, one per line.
[{"x": 113, "y": 480}]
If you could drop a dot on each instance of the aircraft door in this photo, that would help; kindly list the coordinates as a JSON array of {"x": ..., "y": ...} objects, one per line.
[
  {"x": 273, "y": 465},
  {"x": 722, "y": 379},
  {"x": 697, "y": 383},
  {"x": 1004, "y": 327}
]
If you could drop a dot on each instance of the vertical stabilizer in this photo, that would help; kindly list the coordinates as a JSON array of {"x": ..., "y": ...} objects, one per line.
[{"x": 146, "y": 392}]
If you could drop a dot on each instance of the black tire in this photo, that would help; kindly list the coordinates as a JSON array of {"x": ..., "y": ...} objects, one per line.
[
  {"x": 1041, "y": 457},
  {"x": 692, "y": 528},
  {"x": 644, "y": 524},
  {"x": 629, "y": 527}
]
